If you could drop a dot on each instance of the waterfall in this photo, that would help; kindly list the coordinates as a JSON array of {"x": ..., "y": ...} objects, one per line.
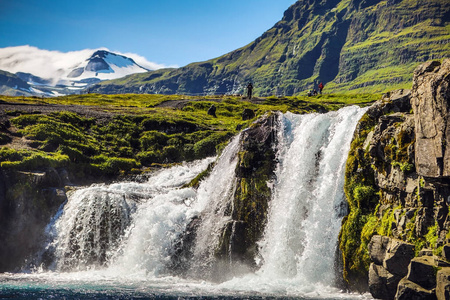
[
  {"x": 102, "y": 221},
  {"x": 132, "y": 229},
  {"x": 306, "y": 210}
]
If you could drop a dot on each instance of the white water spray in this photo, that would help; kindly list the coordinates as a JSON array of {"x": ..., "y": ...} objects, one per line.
[
  {"x": 305, "y": 212},
  {"x": 104, "y": 223}
]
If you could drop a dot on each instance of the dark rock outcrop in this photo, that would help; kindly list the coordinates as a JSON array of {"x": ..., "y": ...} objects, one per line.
[
  {"x": 398, "y": 257},
  {"x": 408, "y": 290},
  {"x": 391, "y": 259},
  {"x": 28, "y": 200},
  {"x": 399, "y": 157},
  {"x": 382, "y": 283},
  {"x": 256, "y": 167},
  {"x": 422, "y": 271}
]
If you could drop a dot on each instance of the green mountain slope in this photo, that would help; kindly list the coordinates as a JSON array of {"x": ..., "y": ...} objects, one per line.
[{"x": 350, "y": 45}]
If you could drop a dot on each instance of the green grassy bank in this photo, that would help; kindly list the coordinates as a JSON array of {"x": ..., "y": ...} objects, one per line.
[{"x": 112, "y": 135}]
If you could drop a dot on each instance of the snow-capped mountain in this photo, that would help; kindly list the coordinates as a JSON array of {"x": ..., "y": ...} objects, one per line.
[
  {"x": 54, "y": 73},
  {"x": 105, "y": 65}
]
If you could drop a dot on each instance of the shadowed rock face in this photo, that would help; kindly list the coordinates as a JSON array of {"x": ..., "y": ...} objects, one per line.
[
  {"x": 28, "y": 200},
  {"x": 431, "y": 103}
]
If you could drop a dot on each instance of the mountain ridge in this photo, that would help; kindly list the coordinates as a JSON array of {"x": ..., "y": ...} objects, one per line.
[
  {"x": 53, "y": 73},
  {"x": 350, "y": 45}
]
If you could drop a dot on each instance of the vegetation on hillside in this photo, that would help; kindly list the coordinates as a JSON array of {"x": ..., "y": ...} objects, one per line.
[
  {"x": 353, "y": 46},
  {"x": 135, "y": 134}
]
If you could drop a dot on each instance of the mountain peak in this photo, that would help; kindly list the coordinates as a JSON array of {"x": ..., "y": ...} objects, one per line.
[{"x": 56, "y": 73}]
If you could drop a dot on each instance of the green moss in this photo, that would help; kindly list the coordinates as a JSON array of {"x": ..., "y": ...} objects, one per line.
[
  {"x": 204, "y": 174},
  {"x": 115, "y": 165},
  {"x": 431, "y": 236},
  {"x": 37, "y": 160},
  {"x": 363, "y": 195}
]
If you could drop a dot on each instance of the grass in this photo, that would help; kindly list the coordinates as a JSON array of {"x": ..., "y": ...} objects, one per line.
[
  {"x": 107, "y": 101},
  {"x": 138, "y": 135}
]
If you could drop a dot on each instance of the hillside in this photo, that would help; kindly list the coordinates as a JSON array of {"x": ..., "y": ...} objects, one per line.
[
  {"x": 12, "y": 85},
  {"x": 350, "y": 45}
]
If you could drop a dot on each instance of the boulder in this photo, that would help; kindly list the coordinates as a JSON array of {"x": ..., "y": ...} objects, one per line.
[
  {"x": 430, "y": 101},
  {"x": 446, "y": 252},
  {"x": 382, "y": 284},
  {"x": 408, "y": 290},
  {"x": 182, "y": 251},
  {"x": 422, "y": 270},
  {"x": 398, "y": 257},
  {"x": 212, "y": 111},
  {"x": 377, "y": 248},
  {"x": 443, "y": 284},
  {"x": 248, "y": 114}
]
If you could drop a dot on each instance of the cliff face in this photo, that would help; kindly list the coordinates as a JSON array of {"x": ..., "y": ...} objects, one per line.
[
  {"x": 361, "y": 45},
  {"x": 397, "y": 181},
  {"x": 28, "y": 201}
]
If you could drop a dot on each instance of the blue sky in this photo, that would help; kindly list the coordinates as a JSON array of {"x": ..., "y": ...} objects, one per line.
[{"x": 169, "y": 32}]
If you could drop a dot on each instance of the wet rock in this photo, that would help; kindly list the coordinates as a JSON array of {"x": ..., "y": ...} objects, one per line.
[
  {"x": 408, "y": 290},
  {"x": 182, "y": 251},
  {"x": 443, "y": 284},
  {"x": 256, "y": 167},
  {"x": 28, "y": 200}
]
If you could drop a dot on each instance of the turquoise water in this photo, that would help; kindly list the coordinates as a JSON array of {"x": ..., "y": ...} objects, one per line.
[{"x": 24, "y": 287}]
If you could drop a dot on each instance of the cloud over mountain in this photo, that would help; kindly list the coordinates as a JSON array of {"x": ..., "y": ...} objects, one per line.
[{"x": 55, "y": 65}]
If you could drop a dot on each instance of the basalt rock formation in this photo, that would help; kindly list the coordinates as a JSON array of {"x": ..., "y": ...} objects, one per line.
[{"x": 398, "y": 188}]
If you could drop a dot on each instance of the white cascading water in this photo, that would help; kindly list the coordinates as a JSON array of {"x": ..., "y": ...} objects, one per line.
[
  {"x": 306, "y": 210},
  {"x": 145, "y": 220},
  {"x": 146, "y": 214},
  {"x": 157, "y": 223}
]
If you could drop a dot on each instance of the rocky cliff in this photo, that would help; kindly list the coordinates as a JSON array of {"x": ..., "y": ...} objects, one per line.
[
  {"x": 357, "y": 45},
  {"x": 398, "y": 188},
  {"x": 28, "y": 201}
]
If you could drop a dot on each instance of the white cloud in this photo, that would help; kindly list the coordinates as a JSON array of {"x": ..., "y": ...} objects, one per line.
[
  {"x": 54, "y": 65},
  {"x": 143, "y": 62}
]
